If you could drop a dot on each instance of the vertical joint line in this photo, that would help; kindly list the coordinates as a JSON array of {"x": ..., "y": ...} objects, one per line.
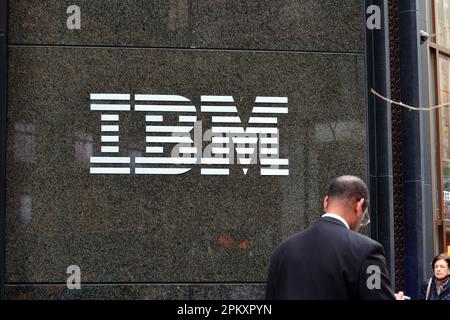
[{"x": 3, "y": 135}]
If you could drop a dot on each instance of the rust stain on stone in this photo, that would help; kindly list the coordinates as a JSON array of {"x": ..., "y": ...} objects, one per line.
[
  {"x": 243, "y": 245},
  {"x": 229, "y": 242},
  {"x": 226, "y": 241}
]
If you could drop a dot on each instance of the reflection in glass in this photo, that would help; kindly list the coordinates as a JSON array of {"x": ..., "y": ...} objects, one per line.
[
  {"x": 25, "y": 208},
  {"x": 24, "y": 142},
  {"x": 84, "y": 149},
  {"x": 443, "y": 23},
  {"x": 447, "y": 235},
  {"x": 444, "y": 92},
  {"x": 178, "y": 19},
  {"x": 135, "y": 153},
  {"x": 338, "y": 131}
]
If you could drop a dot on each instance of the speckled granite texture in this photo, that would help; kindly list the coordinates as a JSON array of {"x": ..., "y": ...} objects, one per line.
[
  {"x": 326, "y": 25},
  {"x": 140, "y": 292},
  {"x": 170, "y": 230}
]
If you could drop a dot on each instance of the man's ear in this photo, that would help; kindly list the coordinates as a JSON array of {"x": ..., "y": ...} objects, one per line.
[
  {"x": 325, "y": 204},
  {"x": 360, "y": 205}
]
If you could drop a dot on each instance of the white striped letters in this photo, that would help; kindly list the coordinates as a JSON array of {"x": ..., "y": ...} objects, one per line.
[{"x": 176, "y": 148}]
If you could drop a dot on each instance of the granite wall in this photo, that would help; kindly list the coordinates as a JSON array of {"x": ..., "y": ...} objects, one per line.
[{"x": 191, "y": 235}]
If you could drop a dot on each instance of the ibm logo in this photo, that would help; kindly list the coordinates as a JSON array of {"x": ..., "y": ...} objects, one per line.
[{"x": 184, "y": 139}]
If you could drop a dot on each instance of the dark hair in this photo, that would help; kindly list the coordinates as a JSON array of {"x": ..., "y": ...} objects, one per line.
[
  {"x": 349, "y": 187},
  {"x": 441, "y": 256}
]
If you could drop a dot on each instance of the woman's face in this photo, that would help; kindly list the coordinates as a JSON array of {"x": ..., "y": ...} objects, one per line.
[{"x": 441, "y": 269}]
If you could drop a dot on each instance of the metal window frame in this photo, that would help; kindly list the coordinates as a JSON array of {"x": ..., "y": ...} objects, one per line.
[
  {"x": 437, "y": 51},
  {"x": 3, "y": 133}
]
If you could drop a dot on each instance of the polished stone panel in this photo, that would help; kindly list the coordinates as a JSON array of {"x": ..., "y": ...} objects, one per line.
[
  {"x": 138, "y": 292},
  {"x": 186, "y": 228},
  {"x": 311, "y": 25}
]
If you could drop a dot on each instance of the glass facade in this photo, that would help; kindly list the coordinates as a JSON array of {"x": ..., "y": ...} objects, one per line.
[
  {"x": 444, "y": 94},
  {"x": 440, "y": 78},
  {"x": 443, "y": 22}
]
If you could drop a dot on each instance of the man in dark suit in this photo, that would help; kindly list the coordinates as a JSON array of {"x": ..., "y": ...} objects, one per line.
[{"x": 330, "y": 259}]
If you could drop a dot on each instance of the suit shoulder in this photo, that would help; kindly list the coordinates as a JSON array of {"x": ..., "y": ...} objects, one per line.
[
  {"x": 288, "y": 244},
  {"x": 348, "y": 235},
  {"x": 364, "y": 239},
  {"x": 365, "y": 242},
  {"x": 280, "y": 247},
  {"x": 291, "y": 240}
]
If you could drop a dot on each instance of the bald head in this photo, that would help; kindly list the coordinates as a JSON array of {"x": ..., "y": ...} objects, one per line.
[{"x": 348, "y": 189}]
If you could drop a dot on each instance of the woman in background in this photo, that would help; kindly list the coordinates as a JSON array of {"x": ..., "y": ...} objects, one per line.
[{"x": 437, "y": 287}]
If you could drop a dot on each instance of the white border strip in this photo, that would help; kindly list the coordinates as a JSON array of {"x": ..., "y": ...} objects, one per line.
[
  {"x": 160, "y": 97},
  {"x": 245, "y": 150},
  {"x": 271, "y": 100},
  {"x": 154, "y": 118},
  {"x": 188, "y": 150},
  {"x": 269, "y": 110},
  {"x": 154, "y": 149},
  {"x": 245, "y": 161},
  {"x": 274, "y": 172},
  {"x": 221, "y": 150},
  {"x": 220, "y": 140},
  {"x": 282, "y": 162},
  {"x": 215, "y": 161},
  {"x": 226, "y": 119},
  {"x": 269, "y": 150},
  {"x": 168, "y": 129},
  {"x": 164, "y": 108},
  {"x": 110, "y": 160},
  {"x": 215, "y": 172},
  {"x": 110, "y": 117},
  {"x": 110, "y": 107},
  {"x": 110, "y": 170},
  {"x": 269, "y": 140},
  {"x": 110, "y": 138},
  {"x": 110, "y": 128},
  {"x": 174, "y": 171},
  {"x": 263, "y": 120},
  {"x": 228, "y": 130},
  {"x": 109, "y": 96},
  {"x": 187, "y": 118},
  {"x": 110, "y": 149},
  {"x": 230, "y": 109},
  {"x": 262, "y": 130},
  {"x": 151, "y": 139},
  {"x": 239, "y": 140},
  {"x": 165, "y": 160},
  {"x": 217, "y": 99}
]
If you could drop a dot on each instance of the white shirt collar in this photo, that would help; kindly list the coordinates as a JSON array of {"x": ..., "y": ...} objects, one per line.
[{"x": 335, "y": 216}]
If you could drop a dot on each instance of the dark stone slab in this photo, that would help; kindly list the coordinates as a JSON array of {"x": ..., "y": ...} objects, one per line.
[
  {"x": 326, "y": 25},
  {"x": 186, "y": 228},
  {"x": 138, "y": 292}
]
